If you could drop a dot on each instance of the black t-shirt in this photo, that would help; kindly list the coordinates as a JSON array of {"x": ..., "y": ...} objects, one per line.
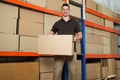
[{"x": 69, "y": 28}]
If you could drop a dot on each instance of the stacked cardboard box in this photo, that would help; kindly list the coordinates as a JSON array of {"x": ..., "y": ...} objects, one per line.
[
  {"x": 19, "y": 71},
  {"x": 114, "y": 43},
  {"x": 46, "y": 67},
  {"x": 93, "y": 75},
  {"x": 118, "y": 69},
  {"x": 40, "y": 3},
  {"x": 8, "y": 26},
  {"x": 91, "y": 4}
]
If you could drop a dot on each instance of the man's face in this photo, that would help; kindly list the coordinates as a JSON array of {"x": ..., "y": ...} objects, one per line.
[{"x": 65, "y": 11}]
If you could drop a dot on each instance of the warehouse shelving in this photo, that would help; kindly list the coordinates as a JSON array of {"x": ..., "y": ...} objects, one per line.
[{"x": 87, "y": 23}]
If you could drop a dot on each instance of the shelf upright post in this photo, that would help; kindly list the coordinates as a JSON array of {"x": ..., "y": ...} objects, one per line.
[{"x": 83, "y": 65}]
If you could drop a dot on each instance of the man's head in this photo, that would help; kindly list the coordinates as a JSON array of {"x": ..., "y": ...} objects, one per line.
[{"x": 65, "y": 9}]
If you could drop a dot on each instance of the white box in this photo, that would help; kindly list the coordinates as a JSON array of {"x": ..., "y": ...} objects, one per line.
[{"x": 55, "y": 44}]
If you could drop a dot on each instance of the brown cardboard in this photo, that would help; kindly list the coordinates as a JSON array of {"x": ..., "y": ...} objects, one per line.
[
  {"x": 89, "y": 48},
  {"x": 91, "y": 4},
  {"x": 107, "y": 34},
  {"x": 46, "y": 64},
  {"x": 118, "y": 75},
  {"x": 105, "y": 71},
  {"x": 112, "y": 67},
  {"x": 8, "y": 11},
  {"x": 109, "y": 23},
  {"x": 30, "y": 28},
  {"x": 8, "y": 25},
  {"x": 89, "y": 29},
  {"x": 28, "y": 44},
  {"x": 8, "y": 42},
  {"x": 89, "y": 38},
  {"x": 116, "y": 15},
  {"x": 75, "y": 11},
  {"x": 19, "y": 71},
  {"x": 114, "y": 50},
  {"x": 55, "y": 44},
  {"x": 98, "y": 49},
  {"x": 46, "y": 76},
  {"x": 118, "y": 64},
  {"x": 55, "y": 5},
  {"x": 41, "y": 3},
  {"x": 106, "y": 49},
  {"x": 106, "y": 41},
  {"x": 97, "y": 39},
  {"x": 94, "y": 19},
  {"x": 49, "y": 21},
  {"x": 30, "y": 15},
  {"x": 90, "y": 74},
  {"x": 97, "y": 32},
  {"x": 104, "y": 10}
]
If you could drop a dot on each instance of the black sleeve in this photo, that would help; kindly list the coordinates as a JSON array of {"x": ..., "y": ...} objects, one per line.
[
  {"x": 77, "y": 27},
  {"x": 54, "y": 28}
]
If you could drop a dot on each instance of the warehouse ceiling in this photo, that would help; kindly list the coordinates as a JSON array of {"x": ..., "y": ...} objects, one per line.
[{"x": 114, "y": 5}]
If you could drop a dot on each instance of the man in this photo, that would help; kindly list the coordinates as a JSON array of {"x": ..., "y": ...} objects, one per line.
[{"x": 66, "y": 26}]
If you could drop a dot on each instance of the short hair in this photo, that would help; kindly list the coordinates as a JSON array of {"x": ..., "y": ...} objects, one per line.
[{"x": 65, "y": 4}]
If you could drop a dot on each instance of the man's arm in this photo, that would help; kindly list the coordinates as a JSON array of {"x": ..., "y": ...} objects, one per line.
[
  {"x": 50, "y": 33},
  {"x": 77, "y": 37}
]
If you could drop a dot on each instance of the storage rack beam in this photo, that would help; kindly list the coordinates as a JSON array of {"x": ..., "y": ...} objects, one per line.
[
  {"x": 21, "y": 54},
  {"x": 91, "y": 24},
  {"x": 101, "y": 15},
  {"x": 94, "y": 56},
  {"x": 30, "y": 6}
]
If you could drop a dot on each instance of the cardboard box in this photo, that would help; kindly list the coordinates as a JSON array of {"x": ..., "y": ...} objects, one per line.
[
  {"x": 106, "y": 41},
  {"x": 89, "y": 38},
  {"x": 97, "y": 39},
  {"x": 46, "y": 76},
  {"x": 106, "y": 49},
  {"x": 106, "y": 34},
  {"x": 55, "y": 5},
  {"x": 97, "y": 32},
  {"x": 105, "y": 71},
  {"x": 118, "y": 64},
  {"x": 30, "y": 15},
  {"x": 55, "y": 44},
  {"x": 93, "y": 75},
  {"x": 114, "y": 50},
  {"x": 75, "y": 11},
  {"x": 104, "y": 10},
  {"x": 116, "y": 15},
  {"x": 89, "y": 48},
  {"x": 8, "y": 11},
  {"x": 28, "y": 44},
  {"x": 94, "y": 19},
  {"x": 8, "y": 42},
  {"x": 112, "y": 68},
  {"x": 30, "y": 28},
  {"x": 98, "y": 49},
  {"x": 91, "y": 4},
  {"x": 49, "y": 21},
  {"x": 118, "y": 75},
  {"x": 109, "y": 23},
  {"x": 46, "y": 64},
  {"x": 8, "y": 25},
  {"x": 89, "y": 29},
  {"x": 41, "y": 3},
  {"x": 19, "y": 71}
]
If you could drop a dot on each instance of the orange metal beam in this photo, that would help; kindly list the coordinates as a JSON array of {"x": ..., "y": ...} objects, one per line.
[
  {"x": 30, "y": 6},
  {"x": 101, "y": 15},
  {"x": 22, "y": 54},
  {"x": 102, "y": 56},
  {"x": 91, "y": 24}
]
